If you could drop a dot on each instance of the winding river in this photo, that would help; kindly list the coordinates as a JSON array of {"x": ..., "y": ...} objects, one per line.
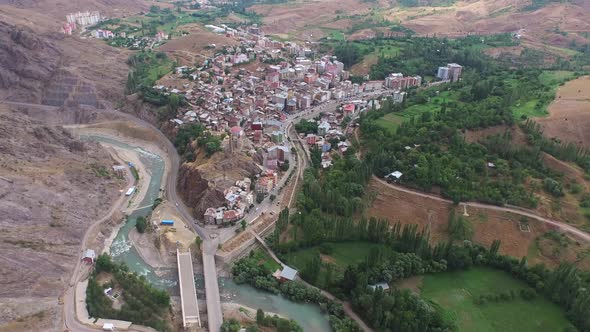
[{"x": 308, "y": 316}]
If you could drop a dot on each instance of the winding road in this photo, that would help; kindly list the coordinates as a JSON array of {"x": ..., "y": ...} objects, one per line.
[
  {"x": 509, "y": 208},
  {"x": 210, "y": 244}
]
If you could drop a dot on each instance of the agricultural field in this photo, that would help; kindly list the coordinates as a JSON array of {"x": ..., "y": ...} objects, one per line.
[
  {"x": 551, "y": 80},
  {"x": 517, "y": 240},
  {"x": 265, "y": 260},
  {"x": 457, "y": 292},
  {"x": 339, "y": 255},
  {"x": 569, "y": 113}
]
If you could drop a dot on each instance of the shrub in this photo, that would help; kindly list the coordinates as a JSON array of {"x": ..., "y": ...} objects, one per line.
[{"x": 553, "y": 187}]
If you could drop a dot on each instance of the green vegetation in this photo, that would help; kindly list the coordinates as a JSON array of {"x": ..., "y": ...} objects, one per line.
[
  {"x": 135, "y": 173},
  {"x": 459, "y": 291},
  {"x": 140, "y": 224},
  {"x": 196, "y": 133},
  {"x": 390, "y": 122},
  {"x": 459, "y": 228},
  {"x": 146, "y": 68},
  {"x": 537, "y": 4},
  {"x": 248, "y": 270},
  {"x": 281, "y": 324},
  {"x": 340, "y": 256},
  {"x": 537, "y": 103},
  {"x": 141, "y": 303},
  {"x": 100, "y": 170},
  {"x": 306, "y": 127},
  {"x": 422, "y": 56},
  {"x": 263, "y": 259},
  {"x": 427, "y": 101},
  {"x": 562, "y": 151}
]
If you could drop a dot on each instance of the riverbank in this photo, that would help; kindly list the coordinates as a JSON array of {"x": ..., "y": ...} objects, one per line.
[
  {"x": 126, "y": 133},
  {"x": 146, "y": 249},
  {"x": 242, "y": 313}
]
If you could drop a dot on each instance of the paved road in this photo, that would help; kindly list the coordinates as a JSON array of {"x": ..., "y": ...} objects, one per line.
[
  {"x": 214, "y": 314},
  {"x": 188, "y": 291}
]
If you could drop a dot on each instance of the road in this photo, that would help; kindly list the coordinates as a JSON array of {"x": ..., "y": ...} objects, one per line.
[
  {"x": 69, "y": 307},
  {"x": 210, "y": 244},
  {"x": 510, "y": 209},
  {"x": 188, "y": 291}
]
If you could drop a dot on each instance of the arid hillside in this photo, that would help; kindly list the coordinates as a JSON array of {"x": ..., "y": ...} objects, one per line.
[
  {"x": 52, "y": 187},
  {"x": 41, "y": 65},
  {"x": 557, "y": 24}
]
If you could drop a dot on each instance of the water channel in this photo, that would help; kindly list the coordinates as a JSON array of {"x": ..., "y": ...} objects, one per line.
[{"x": 308, "y": 316}]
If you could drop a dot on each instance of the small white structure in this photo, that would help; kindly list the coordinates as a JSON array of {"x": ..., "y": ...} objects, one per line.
[
  {"x": 383, "y": 286},
  {"x": 394, "y": 175},
  {"x": 108, "y": 327}
]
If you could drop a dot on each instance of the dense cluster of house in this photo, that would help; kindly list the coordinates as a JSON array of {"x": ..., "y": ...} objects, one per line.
[
  {"x": 248, "y": 90},
  {"x": 238, "y": 199}
]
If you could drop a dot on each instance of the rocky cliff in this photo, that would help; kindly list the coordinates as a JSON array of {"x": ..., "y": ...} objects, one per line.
[
  {"x": 201, "y": 183},
  {"x": 52, "y": 69},
  {"x": 52, "y": 187}
]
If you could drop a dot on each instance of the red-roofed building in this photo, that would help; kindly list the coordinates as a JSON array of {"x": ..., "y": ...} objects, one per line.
[
  {"x": 231, "y": 215},
  {"x": 236, "y": 131},
  {"x": 348, "y": 109}
]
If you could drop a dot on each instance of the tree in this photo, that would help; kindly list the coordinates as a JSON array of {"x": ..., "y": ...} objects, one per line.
[
  {"x": 259, "y": 316},
  {"x": 459, "y": 228},
  {"x": 140, "y": 224},
  {"x": 231, "y": 325}
]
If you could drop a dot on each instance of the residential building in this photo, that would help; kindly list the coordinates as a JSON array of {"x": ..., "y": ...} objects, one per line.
[
  {"x": 452, "y": 72},
  {"x": 323, "y": 128},
  {"x": 443, "y": 73},
  {"x": 210, "y": 216},
  {"x": 89, "y": 256}
]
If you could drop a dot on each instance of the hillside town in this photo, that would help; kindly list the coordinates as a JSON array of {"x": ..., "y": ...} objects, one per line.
[{"x": 249, "y": 90}]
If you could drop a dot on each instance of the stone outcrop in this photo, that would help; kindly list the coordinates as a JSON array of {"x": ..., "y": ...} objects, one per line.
[{"x": 201, "y": 183}]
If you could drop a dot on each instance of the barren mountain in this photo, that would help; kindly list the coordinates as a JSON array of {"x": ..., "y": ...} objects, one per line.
[
  {"x": 52, "y": 187},
  {"x": 41, "y": 65}
]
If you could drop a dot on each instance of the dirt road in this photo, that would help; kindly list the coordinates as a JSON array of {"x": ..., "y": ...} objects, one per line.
[{"x": 510, "y": 209}]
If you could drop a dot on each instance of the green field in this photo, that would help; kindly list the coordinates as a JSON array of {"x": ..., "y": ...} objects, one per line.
[
  {"x": 392, "y": 120},
  {"x": 551, "y": 79},
  {"x": 456, "y": 291},
  {"x": 264, "y": 259},
  {"x": 343, "y": 254}
]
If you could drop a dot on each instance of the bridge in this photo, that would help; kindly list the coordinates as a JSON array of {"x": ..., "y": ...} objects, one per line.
[{"x": 188, "y": 291}]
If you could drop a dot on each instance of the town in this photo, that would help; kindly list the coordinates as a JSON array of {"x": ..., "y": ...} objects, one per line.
[{"x": 290, "y": 166}]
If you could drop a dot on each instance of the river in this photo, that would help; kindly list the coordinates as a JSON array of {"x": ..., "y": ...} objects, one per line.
[{"x": 308, "y": 316}]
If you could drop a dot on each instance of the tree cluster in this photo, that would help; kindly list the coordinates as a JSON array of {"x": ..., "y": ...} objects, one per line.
[{"x": 142, "y": 303}]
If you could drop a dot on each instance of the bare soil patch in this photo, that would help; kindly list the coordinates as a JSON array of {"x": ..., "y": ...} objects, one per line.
[
  {"x": 193, "y": 47},
  {"x": 498, "y": 52},
  {"x": 569, "y": 113},
  {"x": 487, "y": 225},
  {"x": 301, "y": 18},
  {"x": 518, "y": 137},
  {"x": 412, "y": 283},
  {"x": 327, "y": 259}
]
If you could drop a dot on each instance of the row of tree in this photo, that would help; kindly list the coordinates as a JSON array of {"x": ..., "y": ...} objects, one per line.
[
  {"x": 143, "y": 304},
  {"x": 249, "y": 270}
]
